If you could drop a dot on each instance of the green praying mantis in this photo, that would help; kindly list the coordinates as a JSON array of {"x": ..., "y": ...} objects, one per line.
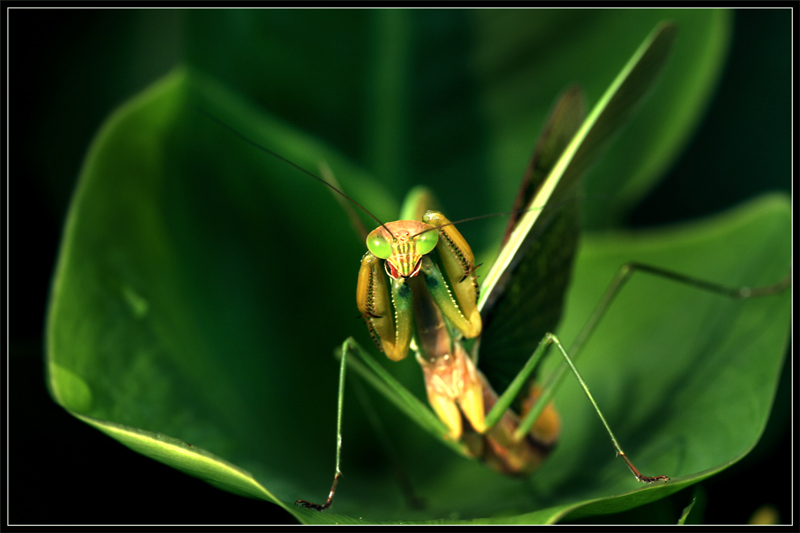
[{"x": 418, "y": 291}]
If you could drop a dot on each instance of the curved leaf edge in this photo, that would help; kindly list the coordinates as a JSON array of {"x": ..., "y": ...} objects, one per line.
[
  {"x": 186, "y": 458},
  {"x": 108, "y": 129}
]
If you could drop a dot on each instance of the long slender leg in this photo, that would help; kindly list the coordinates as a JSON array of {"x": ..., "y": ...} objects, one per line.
[
  {"x": 340, "y": 404},
  {"x": 504, "y": 402},
  {"x": 622, "y": 276},
  {"x": 620, "y": 279},
  {"x": 552, "y": 339}
]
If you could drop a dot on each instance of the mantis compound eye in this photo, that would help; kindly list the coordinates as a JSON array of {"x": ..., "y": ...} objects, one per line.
[
  {"x": 379, "y": 246},
  {"x": 426, "y": 241}
]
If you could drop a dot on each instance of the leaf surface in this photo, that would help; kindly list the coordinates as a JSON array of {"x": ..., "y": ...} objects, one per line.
[{"x": 202, "y": 286}]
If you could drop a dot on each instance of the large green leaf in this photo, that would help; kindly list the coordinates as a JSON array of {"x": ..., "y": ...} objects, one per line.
[
  {"x": 184, "y": 323},
  {"x": 202, "y": 286}
]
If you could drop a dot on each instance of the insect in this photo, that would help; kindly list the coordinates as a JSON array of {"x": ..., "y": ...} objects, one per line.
[
  {"x": 443, "y": 309},
  {"x": 433, "y": 330}
]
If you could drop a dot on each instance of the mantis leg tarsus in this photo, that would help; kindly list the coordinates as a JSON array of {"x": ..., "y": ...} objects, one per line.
[
  {"x": 640, "y": 476},
  {"x": 317, "y": 507}
]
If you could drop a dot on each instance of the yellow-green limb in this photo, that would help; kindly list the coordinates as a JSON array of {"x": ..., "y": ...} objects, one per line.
[
  {"x": 622, "y": 276},
  {"x": 620, "y": 279},
  {"x": 533, "y": 415}
]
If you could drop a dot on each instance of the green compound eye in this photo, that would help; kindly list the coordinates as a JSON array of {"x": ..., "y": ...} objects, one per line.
[
  {"x": 379, "y": 246},
  {"x": 426, "y": 242}
]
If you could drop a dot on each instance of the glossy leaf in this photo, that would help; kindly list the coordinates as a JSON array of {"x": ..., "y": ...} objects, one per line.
[
  {"x": 202, "y": 287},
  {"x": 170, "y": 336}
]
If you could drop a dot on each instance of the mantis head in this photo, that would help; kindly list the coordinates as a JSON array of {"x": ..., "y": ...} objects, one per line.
[{"x": 401, "y": 245}]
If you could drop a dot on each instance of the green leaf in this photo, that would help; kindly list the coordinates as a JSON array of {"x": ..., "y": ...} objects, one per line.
[
  {"x": 202, "y": 287},
  {"x": 172, "y": 314}
]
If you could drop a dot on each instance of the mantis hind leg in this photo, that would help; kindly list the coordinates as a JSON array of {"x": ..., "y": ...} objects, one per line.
[
  {"x": 534, "y": 415},
  {"x": 623, "y": 275},
  {"x": 619, "y": 281}
]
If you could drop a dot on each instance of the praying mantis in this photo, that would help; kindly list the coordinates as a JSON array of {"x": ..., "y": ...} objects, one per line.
[
  {"x": 435, "y": 311},
  {"x": 174, "y": 280}
]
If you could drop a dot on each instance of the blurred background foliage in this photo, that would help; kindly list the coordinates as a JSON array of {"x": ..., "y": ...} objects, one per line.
[{"x": 70, "y": 68}]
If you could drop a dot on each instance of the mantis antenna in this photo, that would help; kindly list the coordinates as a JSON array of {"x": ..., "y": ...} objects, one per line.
[{"x": 295, "y": 165}]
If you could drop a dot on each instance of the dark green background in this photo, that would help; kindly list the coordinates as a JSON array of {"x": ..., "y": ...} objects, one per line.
[{"x": 69, "y": 69}]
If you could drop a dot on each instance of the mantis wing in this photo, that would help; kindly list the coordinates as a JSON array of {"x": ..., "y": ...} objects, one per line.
[{"x": 523, "y": 293}]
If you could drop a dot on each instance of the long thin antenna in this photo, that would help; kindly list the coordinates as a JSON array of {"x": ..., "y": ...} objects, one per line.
[
  {"x": 470, "y": 219},
  {"x": 266, "y": 150},
  {"x": 341, "y": 193},
  {"x": 502, "y": 213}
]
